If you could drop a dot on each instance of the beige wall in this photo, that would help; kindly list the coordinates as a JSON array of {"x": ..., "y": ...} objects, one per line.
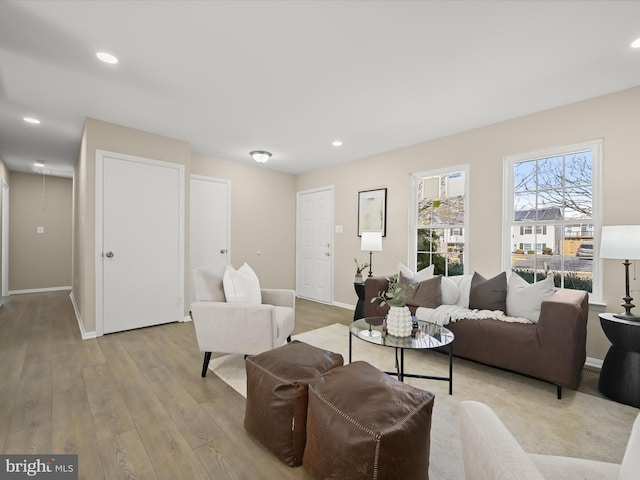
[
  {"x": 262, "y": 218},
  {"x": 38, "y": 261},
  {"x": 99, "y": 135},
  {"x": 612, "y": 118}
]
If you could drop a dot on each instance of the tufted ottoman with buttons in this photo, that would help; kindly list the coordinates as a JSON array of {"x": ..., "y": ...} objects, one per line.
[
  {"x": 365, "y": 424},
  {"x": 276, "y": 410}
]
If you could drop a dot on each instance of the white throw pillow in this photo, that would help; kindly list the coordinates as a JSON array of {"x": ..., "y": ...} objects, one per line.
[
  {"x": 464, "y": 287},
  {"x": 242, "y": 285},
  {"x": 449, "y": 291},
  {"x": 524, "y": 299},
  {"x": 424, "y": 274}
]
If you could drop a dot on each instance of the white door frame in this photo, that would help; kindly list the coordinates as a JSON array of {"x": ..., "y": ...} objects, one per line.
[
  {"x": 332, "y": 234},
  {"x": 99, "y": 248},
  {"x": 5, "y": 240}
]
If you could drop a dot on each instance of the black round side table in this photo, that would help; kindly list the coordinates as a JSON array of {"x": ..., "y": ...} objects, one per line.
[{"x": 620, "y": 373}]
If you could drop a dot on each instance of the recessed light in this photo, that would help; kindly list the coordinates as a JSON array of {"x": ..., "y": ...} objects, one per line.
[
  {"x": 107, "y": 58},
  {"x": 336, "y": 143},
  {"x": 32, "y": 120},
  {"x": 636, "y": 43}
]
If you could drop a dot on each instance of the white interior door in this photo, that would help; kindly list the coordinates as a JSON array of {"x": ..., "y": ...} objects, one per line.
[
  {"x": 209, "y": 222},
  {"x": 314, "y": 263},
  {"x": 142, "y": 243}
]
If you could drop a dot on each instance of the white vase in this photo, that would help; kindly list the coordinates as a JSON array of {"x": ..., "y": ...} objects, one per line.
[{"x": 399, "y": 322}]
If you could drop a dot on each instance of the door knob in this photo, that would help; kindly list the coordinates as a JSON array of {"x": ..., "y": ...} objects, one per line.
[{"x": 109, "y": 254}]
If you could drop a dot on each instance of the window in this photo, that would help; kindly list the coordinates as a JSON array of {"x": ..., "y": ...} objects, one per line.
[
  {"x": 552, "y": 208},
  {"x": 439, "y": 220}
]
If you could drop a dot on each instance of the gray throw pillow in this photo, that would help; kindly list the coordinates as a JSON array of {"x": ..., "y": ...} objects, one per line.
[{"x": 488, "y": 294}]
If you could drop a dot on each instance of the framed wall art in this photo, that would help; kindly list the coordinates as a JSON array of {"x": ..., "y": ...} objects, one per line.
[{"x": 372, "y": 211}]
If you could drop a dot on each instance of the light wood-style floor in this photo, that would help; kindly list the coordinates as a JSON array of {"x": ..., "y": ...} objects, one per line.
[{"x": 132, "y": 405}]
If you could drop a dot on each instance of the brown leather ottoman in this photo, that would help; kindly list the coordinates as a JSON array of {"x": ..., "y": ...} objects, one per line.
[
  {"x": 276, "y": 411},
  {"x": 365, "y": 424}
]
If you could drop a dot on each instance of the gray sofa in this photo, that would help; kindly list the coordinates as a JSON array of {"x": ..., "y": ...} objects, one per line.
[{"x": 553, "y": 349}]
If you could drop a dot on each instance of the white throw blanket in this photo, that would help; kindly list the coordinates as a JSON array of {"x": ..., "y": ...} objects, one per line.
[{"x": 444, "y": 314}]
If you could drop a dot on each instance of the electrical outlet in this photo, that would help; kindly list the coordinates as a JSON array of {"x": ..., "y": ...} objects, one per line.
[{"x": 39, "y": 229}]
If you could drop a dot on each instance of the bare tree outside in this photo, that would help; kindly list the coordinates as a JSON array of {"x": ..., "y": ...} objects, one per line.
[{"x": 552, "y": 216}]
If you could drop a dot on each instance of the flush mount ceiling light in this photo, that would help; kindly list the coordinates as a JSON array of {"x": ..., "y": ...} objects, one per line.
[
  {"x": 337, "y": 143},
  {"x": 636, "y": 43},
  {"x": 38, "y": 165},
  {"x": 260, "y": 156},
  {"x": 33, "y": 121},
  {"x": 107, "y": 58}
]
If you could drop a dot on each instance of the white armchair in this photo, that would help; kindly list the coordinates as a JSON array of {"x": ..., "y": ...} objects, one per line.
[
  {"x": 242, "y": 328},
  {"x": 490, "y": 452}
]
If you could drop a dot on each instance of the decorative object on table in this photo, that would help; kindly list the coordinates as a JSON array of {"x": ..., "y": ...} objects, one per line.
[
  {"x": 399, "y": 322},
  {"x": 622, "y": 242},
  {"x": 372, "y": 211},
  {"x": 359, "y": 269},
  {"x": 371, "y": 241}
]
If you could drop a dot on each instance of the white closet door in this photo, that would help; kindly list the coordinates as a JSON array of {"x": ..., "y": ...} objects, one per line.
[{"x": 142, "y": 231}]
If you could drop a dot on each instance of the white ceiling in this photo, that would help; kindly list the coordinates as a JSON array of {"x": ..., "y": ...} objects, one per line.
[{"x": 292, "y": 76}]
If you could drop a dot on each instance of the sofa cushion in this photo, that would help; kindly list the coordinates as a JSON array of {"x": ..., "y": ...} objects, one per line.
[
  {"x": 424, "y": 274},
  {"x": 524, "y": 299},
  {"x": 242, "y": 285},
  {"x": 449, "y": 290},
  {"x": 427, "y": 293},
  {"x": 463, "y": 282},
  {"x": 488, "y": 294}
]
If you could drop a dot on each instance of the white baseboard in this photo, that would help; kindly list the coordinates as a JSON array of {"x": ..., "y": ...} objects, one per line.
[
  {"x": 84, "y": 334},
  {"x": 593, "y": 363},
  {"x": 38, "y": 290},
  {"x": 344, "y": 305}
]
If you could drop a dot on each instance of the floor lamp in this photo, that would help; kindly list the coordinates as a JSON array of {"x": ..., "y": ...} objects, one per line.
[
  {"x": 371, "y": 241},
  {"x": 623, "y": 243}
]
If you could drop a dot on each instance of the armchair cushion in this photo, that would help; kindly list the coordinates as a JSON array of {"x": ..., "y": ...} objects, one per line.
[
  {"x": 207, "y": 283},
  {"x": 242, "y": 285}
]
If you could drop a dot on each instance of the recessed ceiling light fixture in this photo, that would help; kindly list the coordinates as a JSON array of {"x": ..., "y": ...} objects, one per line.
[
  {"x": 107, "y": 58},
  {"x": 636, "y": 43},
  {"x": 260, "y": 156},
  {"x": 31, "y": 120},
  {"x": 337, "y": 143}
]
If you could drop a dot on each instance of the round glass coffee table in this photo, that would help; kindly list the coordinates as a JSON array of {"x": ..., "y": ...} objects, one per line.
[{"x": 428, "y": 336}]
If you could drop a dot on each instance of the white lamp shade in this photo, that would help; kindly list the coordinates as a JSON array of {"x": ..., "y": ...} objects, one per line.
[
  {"x": 621, "y": 242},
  {"x": 371, "y": 241}
]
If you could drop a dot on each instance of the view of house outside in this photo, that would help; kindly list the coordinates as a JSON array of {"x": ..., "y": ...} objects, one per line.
[
  {"x": 552, "y": 228},
  {"x": 441, "y": 222}
]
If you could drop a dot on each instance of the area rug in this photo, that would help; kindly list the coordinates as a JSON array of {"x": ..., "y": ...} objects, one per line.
[{"x": 579, "y": 425}]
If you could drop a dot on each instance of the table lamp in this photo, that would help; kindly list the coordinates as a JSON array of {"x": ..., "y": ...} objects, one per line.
[
  {"x": 622, "y": 242},
  {"x": 371, "y": 241}
]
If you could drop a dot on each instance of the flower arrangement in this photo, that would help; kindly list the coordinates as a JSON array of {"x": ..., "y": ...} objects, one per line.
[
  {"x": 360, "y": 267},
  {"x": 396, "y": 294}
]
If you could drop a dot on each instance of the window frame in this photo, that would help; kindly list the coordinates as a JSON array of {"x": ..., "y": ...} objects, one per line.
[
  {"x": 596, "y": 148},
  {"x": 414, "y": 179}
]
